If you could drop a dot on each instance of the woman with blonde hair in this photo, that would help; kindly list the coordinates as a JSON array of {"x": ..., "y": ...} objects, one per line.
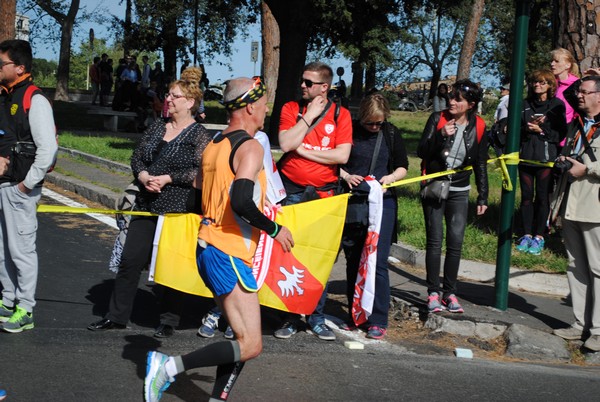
[
  {"x": 165, "y": 164},
  {"x": 566, "y": 71},
  {"x": 387, "y": 163}
]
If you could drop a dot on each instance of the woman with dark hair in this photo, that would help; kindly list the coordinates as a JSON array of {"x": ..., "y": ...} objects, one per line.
[
  {"x": 441, "y": 99},
  {"x": 390, "y": 163},
  {"x": 543, "y": 127},
  {"x": 165, "y": 164},
  {"x": 452, "y": 139}
]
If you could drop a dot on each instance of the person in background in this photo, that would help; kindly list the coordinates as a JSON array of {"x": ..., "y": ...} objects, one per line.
[
  {"x": 184, "y": 65},
  {"x": 165, "y": 164},
  {"x": 146, "y": 69},
  {"x": 565, "y": 70},
  {"x": 502, "y": 109},
  {"x": 95, "y": 80},
  {"x": 105, "y": 70},
  {"x": 391, "y": 164},
  {"x": 452, "y": 140},
  {"x": 233, "y": 192},
  {"x": 28, "y": 148},
  {"x": 441, "y": 100},
  {"x": 543, "y": 127},
  {"x": 157, "y": 75},
  {"x": 580, "y": 216}
]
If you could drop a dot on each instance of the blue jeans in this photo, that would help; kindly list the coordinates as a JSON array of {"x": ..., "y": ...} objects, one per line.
[
  {"x": 353, "y": 241},
  {"x": 454, "y": 211}
]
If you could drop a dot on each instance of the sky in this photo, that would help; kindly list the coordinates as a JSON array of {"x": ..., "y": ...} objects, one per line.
[{"x": 240, "y": 62}]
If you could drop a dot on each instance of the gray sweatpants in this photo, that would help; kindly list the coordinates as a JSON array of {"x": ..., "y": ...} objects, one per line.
[{"x": 18, "y": 255}]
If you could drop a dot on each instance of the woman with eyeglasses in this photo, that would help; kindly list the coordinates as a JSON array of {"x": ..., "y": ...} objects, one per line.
[
  {"x": 390, "y": 163},
  {"x": 165, "y": 164},
  {"x": 543, "y": 127},
  {"x": 452, "y": 139}
]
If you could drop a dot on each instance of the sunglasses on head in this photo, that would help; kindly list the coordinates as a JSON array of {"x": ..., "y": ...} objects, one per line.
[
  {"x": 309, "y": 83},
  {"x": 373, "y": 123}
]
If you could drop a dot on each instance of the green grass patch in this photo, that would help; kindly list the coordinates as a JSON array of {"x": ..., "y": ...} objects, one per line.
[{"x": 117, "y": 149}]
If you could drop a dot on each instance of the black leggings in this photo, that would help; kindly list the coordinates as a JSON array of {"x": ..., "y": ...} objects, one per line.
[{"x": 534, "y": 214}]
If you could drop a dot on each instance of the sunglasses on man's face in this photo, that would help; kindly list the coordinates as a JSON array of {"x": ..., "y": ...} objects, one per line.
[{"x": 310, "y": 83}]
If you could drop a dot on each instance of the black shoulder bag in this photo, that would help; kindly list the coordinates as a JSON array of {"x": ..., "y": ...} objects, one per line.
[{"x": 358, "y": 204}]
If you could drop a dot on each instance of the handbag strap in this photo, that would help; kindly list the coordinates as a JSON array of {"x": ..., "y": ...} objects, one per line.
[{"x": 375, "y": 152}]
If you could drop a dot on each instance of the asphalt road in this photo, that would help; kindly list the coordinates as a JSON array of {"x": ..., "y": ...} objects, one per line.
[{"x": 60, "y": 360}]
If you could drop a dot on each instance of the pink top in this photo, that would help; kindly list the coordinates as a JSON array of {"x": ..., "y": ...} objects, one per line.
[{"x": 562, "y": 86}]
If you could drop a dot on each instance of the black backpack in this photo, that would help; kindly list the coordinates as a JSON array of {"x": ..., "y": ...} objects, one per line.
[{"x": 497, "y": 135}]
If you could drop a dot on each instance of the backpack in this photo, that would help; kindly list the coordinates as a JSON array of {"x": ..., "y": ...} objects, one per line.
[
  {"x": 479, "y": 123},
  {"x": 29, "y": 92},
  {"x": 497, "y": 135}
]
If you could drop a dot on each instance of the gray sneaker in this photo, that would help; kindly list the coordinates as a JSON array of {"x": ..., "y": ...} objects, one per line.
[
  {"x": 286, "y": 331},
  {"x": 569, "y": 333},
  {"x": 323, "y": 332},
  {"x": 5, "y": 312},
  {"x": 19, "y": 321},
  {"x": 593, "y": 343},
  {"x": 210, "y": 323},
  {"x": 229, "y": 333}
]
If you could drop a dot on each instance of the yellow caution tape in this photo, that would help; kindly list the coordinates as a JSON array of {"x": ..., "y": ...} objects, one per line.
[
  {"x": 63, "y": 209},
  {"x": 502, "y": 161}
]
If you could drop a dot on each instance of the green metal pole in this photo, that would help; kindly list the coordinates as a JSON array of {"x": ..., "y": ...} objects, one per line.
[{"x": 507, "y": 206}]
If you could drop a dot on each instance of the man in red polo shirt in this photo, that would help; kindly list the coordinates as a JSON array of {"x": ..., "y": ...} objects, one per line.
[{"x": 316, "y": 136}]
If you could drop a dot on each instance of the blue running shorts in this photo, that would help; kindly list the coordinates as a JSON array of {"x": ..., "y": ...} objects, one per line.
[{"x": 220, "y": 271}]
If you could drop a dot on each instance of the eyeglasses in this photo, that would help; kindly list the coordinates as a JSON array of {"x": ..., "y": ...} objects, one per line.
[
  {"x": 584, "y": 92},
  {"x": 174, "y": 96},
  {"x": 5, "y": 63},
  {"x": 310, "y": 83},
  {"x": 373, "y": 123},
  {"x": 540, "y": 82}
]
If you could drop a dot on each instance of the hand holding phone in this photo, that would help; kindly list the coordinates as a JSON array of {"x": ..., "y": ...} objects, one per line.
[{"x": 537, "y": 116}]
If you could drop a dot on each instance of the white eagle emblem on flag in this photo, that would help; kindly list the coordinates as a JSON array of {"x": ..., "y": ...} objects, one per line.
[{"x": 292, "y": 281}]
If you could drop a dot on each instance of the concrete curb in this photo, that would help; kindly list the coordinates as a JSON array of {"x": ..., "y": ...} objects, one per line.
[{"x": 519, "y": 279}]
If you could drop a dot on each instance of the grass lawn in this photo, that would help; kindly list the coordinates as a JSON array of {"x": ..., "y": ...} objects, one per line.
[{"x": 480, "y": 238}]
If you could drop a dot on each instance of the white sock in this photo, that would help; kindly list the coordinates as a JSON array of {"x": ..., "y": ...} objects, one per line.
[{"x": 171, "y": 368}]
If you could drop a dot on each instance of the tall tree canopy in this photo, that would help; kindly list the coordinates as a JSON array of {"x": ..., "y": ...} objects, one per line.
[{"x": 167, "y": 26}]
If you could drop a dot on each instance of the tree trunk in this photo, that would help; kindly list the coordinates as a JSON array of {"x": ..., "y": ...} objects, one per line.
[
  {"x": 370, "y": 76},
  {"x": 357, "y": 81},
  {"x": 470, "y": 39},
  {"x": 66, "y": 22},
  {"x": 578, "y": 31},
  {"x": 127, "y": 27},
  {"x": 270, "y": 51},
  {"x": 8, "y": 13},
  {"x": 294, "y": 33},
  {"x": 170, "y": 52}
]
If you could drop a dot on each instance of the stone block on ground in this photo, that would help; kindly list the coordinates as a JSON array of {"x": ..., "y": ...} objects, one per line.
[{"x": 532, "y": 344}]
